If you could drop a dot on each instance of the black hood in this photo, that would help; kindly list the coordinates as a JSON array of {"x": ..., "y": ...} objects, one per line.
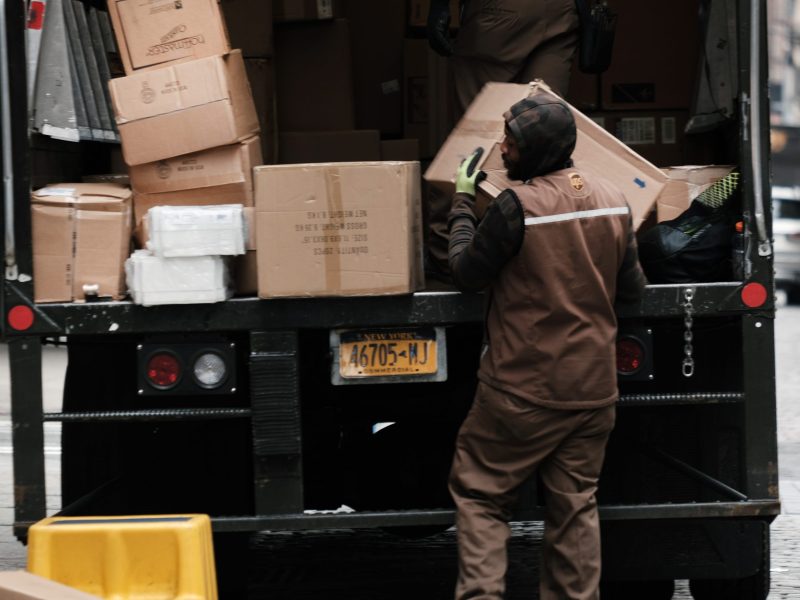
[{"x": 544, "y": 130}]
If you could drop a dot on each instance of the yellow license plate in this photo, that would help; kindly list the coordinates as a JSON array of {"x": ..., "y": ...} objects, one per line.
[{"x": 388, "y": 353}]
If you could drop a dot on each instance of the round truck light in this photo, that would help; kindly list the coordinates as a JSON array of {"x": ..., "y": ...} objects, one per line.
[
  {"x": 630, "y": 355},
  {"x": 163, "y": 370},
  {"x": 210, "y": 370}
]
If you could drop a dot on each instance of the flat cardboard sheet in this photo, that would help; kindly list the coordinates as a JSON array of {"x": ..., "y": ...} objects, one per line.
[{"x": 21, "y": 585}]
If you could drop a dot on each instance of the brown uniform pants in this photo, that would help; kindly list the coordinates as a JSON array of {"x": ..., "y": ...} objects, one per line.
[
  {"x": 514, "y": 41},
  {"x": 506, "y": 41},
  {"x": 502, "y": 442}
]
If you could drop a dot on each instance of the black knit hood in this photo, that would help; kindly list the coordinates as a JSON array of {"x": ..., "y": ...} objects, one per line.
[{"x": 545, "y": 132}]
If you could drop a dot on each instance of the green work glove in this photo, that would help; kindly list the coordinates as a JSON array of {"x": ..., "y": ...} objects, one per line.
[{"x": 468, "y": 176}]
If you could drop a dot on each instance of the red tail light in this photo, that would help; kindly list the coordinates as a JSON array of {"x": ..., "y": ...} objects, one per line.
[
  {"x": 163, "y": 370},
  {"x": 630, "y": 355}
]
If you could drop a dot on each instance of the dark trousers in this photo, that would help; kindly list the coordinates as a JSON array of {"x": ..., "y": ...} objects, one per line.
[{"x": 504, "y": 441}]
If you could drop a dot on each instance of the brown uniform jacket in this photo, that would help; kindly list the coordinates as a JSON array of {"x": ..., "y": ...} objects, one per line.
[{"x": 558, "y": 252}]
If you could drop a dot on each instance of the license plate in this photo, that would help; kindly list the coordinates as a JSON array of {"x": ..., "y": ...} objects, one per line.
[{"x": 389, "y": 354}]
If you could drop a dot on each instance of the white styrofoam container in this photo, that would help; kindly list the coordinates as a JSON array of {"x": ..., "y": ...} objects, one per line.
[
  {"x": 217, "y": 230},
  {"x": 156, "y": 280}
]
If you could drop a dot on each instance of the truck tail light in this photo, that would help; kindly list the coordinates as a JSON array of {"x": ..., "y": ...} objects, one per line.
[
  {"x": 635, "y": 354},
  {"x": 186, "y": 367},
  {"x": 163, "y": 370},
  {"x": 210, "y": 370},
  {"x": 630, "y": 355}
]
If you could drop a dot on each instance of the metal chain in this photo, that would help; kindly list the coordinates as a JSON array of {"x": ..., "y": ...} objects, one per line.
[{"x": 688, "y": 349}]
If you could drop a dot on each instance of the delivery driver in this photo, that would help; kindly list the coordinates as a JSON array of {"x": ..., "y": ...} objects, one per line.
[
  {"x": 555, "y": 251},
  {"x": 508, "y": 41}
]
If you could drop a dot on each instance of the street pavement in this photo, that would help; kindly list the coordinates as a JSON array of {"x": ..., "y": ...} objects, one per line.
[{"x": 785, "y": 531}]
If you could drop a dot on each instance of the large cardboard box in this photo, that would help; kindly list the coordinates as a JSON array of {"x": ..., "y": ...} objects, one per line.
[
  {"x": 153, "y": 33},
  {"x": 338, "y": 229},
  {"x": 249, "y": 25},
  {"x": 314, "y": 77},
  {"x": 429, "y": 97},
  {"x": 686, "y": 183},
  {"x": 21, "y": 585},
  {"x": 225, "y": 165},
  {"x": 306, "y": 10},
  {"x": 329, "y": 146},
  {"x": 183, "y": 108},
  {"x": 81, "y": 237},
  {"x": 596, "y": 151}
]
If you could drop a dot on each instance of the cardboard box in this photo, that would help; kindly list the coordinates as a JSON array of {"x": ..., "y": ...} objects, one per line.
[
  {"x": 650, "y": 67},
  {"x": 658, "y": 136},
  {"x": 21, "y": 585},
  {"x": 249, "y": 25},
  {"x": 261, "y": 75},
  {"x": 322, "y": 98},
  {"x": 151, "y": 34},
  {"x": 377, "y": 40},
  {"x": 429, "y": 97},
  {"x": 596, "y": 151},
  {"x": 685, "y": 183},
  {"x": 338, "y": 229},
  {"x": 225, "y": 165},
  {"x": 209, "y": 196},
  {"x": 329, "y": 146},
  {"x": 306, "y": 10},
  {"x": 183, "y": 108},
  {"x": 81, "y": 237},
  {"x": 400, "y": 150}
]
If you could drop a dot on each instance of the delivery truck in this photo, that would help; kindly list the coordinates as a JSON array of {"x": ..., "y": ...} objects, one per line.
[{"x": 274, "y": 410}]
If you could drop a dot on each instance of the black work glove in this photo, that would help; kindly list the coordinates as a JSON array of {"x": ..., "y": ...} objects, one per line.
[{"x": 439, "y": 27}]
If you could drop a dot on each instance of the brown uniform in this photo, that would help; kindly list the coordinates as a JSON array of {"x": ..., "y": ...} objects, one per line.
[
  {"x": 514, "y": 41},
  {"x": 511, "y": 41},
  {"x": 557, "y": 252}
]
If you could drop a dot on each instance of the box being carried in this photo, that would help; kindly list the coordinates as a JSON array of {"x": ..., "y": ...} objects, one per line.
[
  {"x": 184, "y": 108},
  {"x": 150, "y": 34},
  {"x": 81, "y": 237},
  {"x": 596, "y": 151},
  {"x": 338, "y": 229}
]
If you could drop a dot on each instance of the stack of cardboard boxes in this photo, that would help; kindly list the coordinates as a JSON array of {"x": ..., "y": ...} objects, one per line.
[{"x": 185, "y": 110}]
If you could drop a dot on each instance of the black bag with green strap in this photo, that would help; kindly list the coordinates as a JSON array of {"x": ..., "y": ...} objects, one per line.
[{"x": 695, "y": 247}]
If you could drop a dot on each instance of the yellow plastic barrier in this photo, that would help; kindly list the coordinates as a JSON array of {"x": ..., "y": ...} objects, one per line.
[{"x": 119, "y": 558}]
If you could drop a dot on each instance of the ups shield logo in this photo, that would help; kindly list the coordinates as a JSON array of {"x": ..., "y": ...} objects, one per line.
[{"x": 576, "y": 181}]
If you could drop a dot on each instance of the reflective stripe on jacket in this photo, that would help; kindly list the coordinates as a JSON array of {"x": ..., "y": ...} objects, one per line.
[{"x": 551, "y": 325}]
